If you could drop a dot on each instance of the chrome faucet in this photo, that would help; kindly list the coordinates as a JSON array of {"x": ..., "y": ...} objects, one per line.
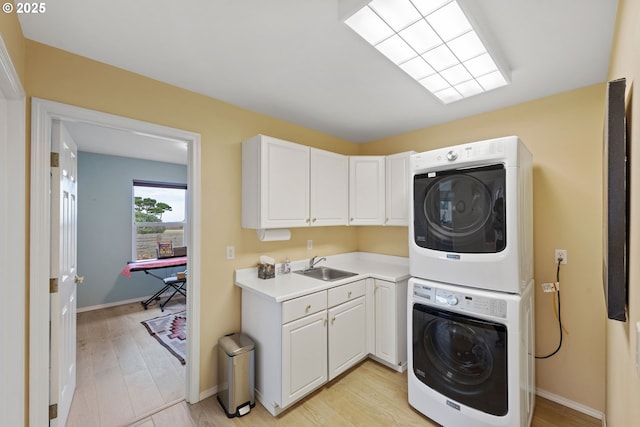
[{"x": 313, "y": 261}]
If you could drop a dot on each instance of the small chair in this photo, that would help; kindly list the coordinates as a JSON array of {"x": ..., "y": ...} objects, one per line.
[{"x": 179, "y": 285}]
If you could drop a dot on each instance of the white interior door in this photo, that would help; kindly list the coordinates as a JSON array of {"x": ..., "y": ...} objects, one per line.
[{"x": 63, "y": 272}]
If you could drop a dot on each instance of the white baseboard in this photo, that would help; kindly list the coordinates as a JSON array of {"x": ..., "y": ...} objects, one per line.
[
  {"x": 570, "y": 404},
  {"x": 209, "y": 392},
  {"x": 110, "y": 304},
  {"x": 117, "y": 303}
]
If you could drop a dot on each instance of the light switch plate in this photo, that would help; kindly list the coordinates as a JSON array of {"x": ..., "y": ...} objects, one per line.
[{"x": 231, "y": 252}]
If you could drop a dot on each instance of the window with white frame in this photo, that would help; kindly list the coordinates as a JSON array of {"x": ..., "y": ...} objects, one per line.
[{"x": 159, "y": 217}]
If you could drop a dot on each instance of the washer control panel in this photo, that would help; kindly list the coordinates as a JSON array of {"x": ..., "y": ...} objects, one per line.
[
  {"x": 461, "y": 301},
  {"x": 493, "y": 151}
]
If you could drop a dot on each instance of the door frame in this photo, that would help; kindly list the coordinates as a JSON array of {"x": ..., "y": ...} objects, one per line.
[
  {"x": 42, "y": 114},
  {"x": 13, "y": 229}
]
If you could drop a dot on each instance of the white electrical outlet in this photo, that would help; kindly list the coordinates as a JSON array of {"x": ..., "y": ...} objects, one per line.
[
  {"x": 231, "y": 252},
  {"x": 561, "y": 253},
  {"x": 309, "y": 244}
]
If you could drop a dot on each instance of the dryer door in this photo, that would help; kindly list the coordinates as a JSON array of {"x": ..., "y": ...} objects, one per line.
[
  {"x": 462, "y": 358},
  {"x": 461, "y": 211}
]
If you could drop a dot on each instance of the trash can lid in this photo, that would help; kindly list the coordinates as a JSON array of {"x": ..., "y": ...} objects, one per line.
[{"x": 236, "y": 343}]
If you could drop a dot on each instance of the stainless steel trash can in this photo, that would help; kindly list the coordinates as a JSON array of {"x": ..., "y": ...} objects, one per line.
[{"x": 236, "y": 364}]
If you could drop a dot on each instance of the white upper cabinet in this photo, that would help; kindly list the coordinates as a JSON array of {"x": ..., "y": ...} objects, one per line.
[
  {"x": 397, "y": 189},
  {"x": 366, "y": 190},
  {"x": 329, "y": 204},
  {"x": 275, "y": 183},
  {"x": 285, "y": 185}
]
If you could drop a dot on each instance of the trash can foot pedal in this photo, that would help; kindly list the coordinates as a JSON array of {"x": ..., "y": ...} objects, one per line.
[{"x": 244, "y": 410}]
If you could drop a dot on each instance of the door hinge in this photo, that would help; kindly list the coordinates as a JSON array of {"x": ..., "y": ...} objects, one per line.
[
  {"x": 55, "y": 160},
  {"x": 53, "y": 285},
  {"x": 53, "y": 411}
]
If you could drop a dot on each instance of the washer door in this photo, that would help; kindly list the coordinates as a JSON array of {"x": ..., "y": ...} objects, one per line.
[
  {"x": 462, "y": 358},
  {"x": 461, "y": 211}
]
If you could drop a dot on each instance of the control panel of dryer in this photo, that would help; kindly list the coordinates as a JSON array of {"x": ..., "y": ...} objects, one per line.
[{"x": 462, "y": 302}]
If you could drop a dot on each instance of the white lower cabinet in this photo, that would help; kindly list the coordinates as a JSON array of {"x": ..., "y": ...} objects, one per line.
[
  {"x": 304, "y": 342},
  {"x": 389, "y": 314},
  {"x": 304, "y": 356},
  {"x": 347, "y": 328}
]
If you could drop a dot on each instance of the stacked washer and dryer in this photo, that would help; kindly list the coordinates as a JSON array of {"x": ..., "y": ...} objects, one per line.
[{"x": 470, "y": 299}]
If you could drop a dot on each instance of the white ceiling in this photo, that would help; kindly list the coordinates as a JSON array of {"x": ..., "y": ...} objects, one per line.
[
  {"x": 296, "y": 60},
  {"x": 123, "y": 143}
]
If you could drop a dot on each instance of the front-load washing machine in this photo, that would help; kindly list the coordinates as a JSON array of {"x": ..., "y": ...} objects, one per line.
[
  {"x": 471, "y": 215},
  {"x": 470, "y": 355}
]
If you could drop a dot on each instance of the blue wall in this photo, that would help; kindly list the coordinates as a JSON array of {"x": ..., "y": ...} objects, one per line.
[{"x": 105, "y": 197}]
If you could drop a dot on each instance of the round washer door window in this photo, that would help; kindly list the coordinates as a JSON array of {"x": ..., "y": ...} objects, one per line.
[
  {"x": 457, "y": 207},
  {"x": 459, "y": 354}
]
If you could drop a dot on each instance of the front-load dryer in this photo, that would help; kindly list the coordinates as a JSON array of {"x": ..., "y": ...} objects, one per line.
[
  {"x": 471, "y": 215},
  {"x": 470, "y": 355}
]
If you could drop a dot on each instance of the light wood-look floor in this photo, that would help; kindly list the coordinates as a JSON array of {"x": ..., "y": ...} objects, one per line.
[
  {"x": 130, "y": 386},
  {"x": 368, "y": 395},
  {"x": 122, "y": 372}
]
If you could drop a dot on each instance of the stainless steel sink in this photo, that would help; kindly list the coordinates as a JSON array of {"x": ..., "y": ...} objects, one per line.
[{"x": 325, "y": 273}]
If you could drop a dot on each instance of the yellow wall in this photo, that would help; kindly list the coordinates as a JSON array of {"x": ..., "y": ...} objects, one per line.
[
  {"x": 623, "y": 383},
  {"x": 57, "y": 75},
  {"x": 564, "y": 134},
  {"x": 14, "y": 41}
]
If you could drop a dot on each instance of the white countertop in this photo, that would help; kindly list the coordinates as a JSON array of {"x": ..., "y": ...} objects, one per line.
[{"x": 287, "y": 286}]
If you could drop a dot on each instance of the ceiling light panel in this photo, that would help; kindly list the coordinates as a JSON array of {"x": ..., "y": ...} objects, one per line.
[
  {"x": 449, "y": 21},
  {"x": 420, "y": 36},
  {"x": 370, "y": 26},
  {"x": 433, "y": 42},
  {"x": 396, "y": 49},
  {"x": 397, "y": 13},
  {"x": 417, "y": 68}
]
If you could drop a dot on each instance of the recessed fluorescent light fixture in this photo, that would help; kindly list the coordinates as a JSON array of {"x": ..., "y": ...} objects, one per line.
[{"x": 433, "y": 42}]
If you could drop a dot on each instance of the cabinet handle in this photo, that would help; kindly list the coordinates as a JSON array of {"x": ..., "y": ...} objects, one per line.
[
  {"x": 307, "y": 221},
  {"x": 386, "y": 220},
  {"x": 351, "y": 219},
  {"x": 349, "y": 294},
  {"x": 308, "y": 308},
  {"x": 333, "y": 319},
  {"x": 314, "y": 219}
]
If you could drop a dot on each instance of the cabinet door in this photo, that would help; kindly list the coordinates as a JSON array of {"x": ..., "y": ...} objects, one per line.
[
  {"x": 366, "y": 190},
  {"x": 304, "y": 356},
  {"x": 385, "y": 321},
  {"x": 285, "y": 184},
  {"x": 347, "y": 336},
  {"x": 397, "y": 189},
  {"x": 329, "y": 196}
]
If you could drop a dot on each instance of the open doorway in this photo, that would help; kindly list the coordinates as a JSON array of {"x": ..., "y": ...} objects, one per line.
[
  {"x": 43, "y": 114},
  {"x": 130, "y": 357}
]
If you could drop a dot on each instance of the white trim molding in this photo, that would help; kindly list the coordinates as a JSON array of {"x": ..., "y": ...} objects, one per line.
[
  {"x": 570, "y": 404},
  {"x": 13, "y": 223},
  {"x": 42, "y": 114}
]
